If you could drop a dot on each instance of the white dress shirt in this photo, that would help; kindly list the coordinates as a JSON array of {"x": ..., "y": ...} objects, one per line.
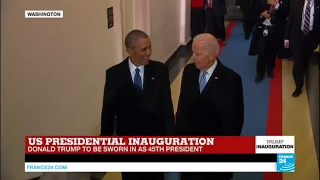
[
  {"x": 133, "y": 68},
  {"x": 267, "y": 22},
  {"x": 209, "y": 71}
]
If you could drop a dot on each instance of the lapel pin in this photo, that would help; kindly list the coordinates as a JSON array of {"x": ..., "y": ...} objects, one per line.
[
  {"x": 215, "y": 77},
  {"x": 152, "y": 78}
]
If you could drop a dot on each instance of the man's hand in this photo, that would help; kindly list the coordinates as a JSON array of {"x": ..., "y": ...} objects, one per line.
[
  {"x": 238, "y": 7},
  {"x": 265, "y": 14},
  {"x": 286, "y": 44},
  {"x": 273, "y": 2}
]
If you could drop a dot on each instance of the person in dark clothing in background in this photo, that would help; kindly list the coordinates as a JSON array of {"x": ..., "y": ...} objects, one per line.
[
  {"x": 267, "y": 38},
  {"x": 198, "y": 18},
  {"x": 248, "y": 15},
  {"x": 302, "y": 37},
  {"x": 215, "y": 13}
]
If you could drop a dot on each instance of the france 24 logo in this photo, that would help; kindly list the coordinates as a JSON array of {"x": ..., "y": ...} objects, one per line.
[{"x": 286, "y": 163}]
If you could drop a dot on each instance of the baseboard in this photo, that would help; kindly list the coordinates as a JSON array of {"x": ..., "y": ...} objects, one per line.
[
  {"x": 35, "y": 178},
  {"x": 175, "y": 49},
  {"x": 184, "y": 50},
  {"x": 187, "y": 41}
]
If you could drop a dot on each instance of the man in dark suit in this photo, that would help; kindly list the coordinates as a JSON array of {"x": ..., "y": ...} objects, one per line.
[
  {"x": 137, "y": 97},
  {"x": 267, "y": 38},
  {"x": 248, "y": 8},
  {"x": 211, "y": 99},
  {"x": 198, "y": 18},
  {"x": 215, "y": 13},
  {"x": 302, "y": 36}
]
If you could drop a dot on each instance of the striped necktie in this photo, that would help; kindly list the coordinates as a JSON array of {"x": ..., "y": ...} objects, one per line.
[{"x": 306, "y": 24}]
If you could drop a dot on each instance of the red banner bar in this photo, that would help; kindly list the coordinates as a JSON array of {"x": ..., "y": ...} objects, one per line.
[{"x": 139, "y": 145}]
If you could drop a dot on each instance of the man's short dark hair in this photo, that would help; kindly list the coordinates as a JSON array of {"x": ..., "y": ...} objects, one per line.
[{"x": 133, "y": 36}]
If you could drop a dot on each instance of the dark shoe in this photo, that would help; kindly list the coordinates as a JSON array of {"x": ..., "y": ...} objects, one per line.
[
  {"x": 296, "y": 93},
  {"x": 270, "y": 75},
  {"x": 258, "y": 79},
  {"x": 247, "y": 36}
]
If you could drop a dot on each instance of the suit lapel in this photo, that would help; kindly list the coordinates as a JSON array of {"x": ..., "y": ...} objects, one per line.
[
  {"x": 126, "y": 71},
  {"x": 127, "y": 79},
  {"x": 214, "y": 80},
  {"x": 148, "y": 80},
  {"x": 194, "y": 80},
  {"x": 316, "y": 13}
]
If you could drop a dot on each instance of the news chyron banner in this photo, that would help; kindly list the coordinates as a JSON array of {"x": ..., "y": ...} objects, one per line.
[{"x": 159, "y": 154}]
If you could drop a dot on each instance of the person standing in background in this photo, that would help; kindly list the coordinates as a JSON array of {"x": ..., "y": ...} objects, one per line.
[
  {"x": 248, "y": 8},
  {"x": 302, "y": 37},
  {"x": 137, "y": 97},
  {"x": 198, "y": 18},
  {"x": 210, "y": 101},
  {"x": 267, "y": 36},
  {"x": 215, "y": 13}
]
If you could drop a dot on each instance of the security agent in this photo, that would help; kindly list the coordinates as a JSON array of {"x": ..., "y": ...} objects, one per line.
[
  {"x": 248, "y": 8},
  {"x": 267, "y": 35}
]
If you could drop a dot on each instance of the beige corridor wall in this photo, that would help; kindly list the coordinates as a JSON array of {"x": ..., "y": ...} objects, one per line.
[
  {"x": 164, "y": 28},
  {"x": 167, "y": 22},
  {"x": 53, "y": 72}
]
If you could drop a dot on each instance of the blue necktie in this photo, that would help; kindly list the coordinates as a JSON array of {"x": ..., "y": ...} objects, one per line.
[
  {"x": 137, "y": 80},
  {"x": 306, "y": 25},
  {"x": 203, "y": 81}
]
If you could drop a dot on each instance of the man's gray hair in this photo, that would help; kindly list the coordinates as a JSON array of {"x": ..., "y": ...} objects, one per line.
[
  {"x": 211, "y": 42},
  {"x": 133, "y": 36}
]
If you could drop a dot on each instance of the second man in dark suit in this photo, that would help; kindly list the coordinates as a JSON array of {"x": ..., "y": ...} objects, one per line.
[
  {"x": 215, "y": 13},
  {"x": 248, "y": 8},
  {"x": 137, "y": 97},
  {"x": 198, "y": 18},
  {"x": 302, "y": 37},
  {"x": 267, "y": 38},
  {"x": 211, "y": 99}
]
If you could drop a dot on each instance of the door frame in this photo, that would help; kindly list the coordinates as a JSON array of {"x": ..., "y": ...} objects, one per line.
[{"x": 135, "y": 14}]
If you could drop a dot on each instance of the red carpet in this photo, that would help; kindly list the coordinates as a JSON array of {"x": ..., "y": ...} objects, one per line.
[
  {"x": 229, "y": 30},
  {"x": 274, "y": 122}
]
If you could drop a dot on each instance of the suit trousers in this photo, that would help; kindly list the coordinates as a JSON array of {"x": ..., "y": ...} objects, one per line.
[
  {"x": 198, "y": 21},
  {"x": 215, "y": 25},
  {"x": 249, "y": 18},
  {"x": 301, "y": 55},
  {"x": 267, "y": 51}
]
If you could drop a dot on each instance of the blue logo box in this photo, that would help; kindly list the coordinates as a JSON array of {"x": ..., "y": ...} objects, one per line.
[{"x": 286, "y": 162}]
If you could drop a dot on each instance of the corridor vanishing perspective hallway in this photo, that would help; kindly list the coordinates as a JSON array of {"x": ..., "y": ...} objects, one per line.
[{"x": 269, "y": 107}]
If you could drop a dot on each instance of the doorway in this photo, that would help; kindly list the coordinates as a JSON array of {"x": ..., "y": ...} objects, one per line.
[
  {"x": 233, "y": 12},
  {"x": 135, "y": 14}
]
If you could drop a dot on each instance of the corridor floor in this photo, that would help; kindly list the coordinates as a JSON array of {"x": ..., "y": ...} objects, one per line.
[{"x": 269, "y": 109}]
